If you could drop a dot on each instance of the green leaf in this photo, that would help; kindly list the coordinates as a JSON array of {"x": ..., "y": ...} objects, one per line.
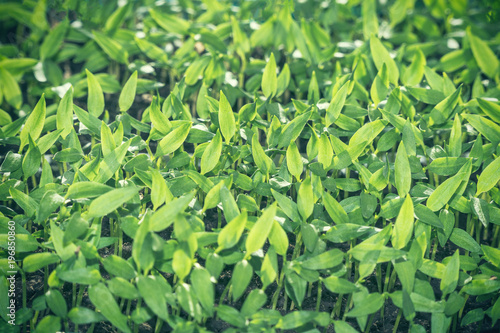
[
  {"x": 47, "y": 177},
  {"x": 472, "y": 317},
  {"x": 424, "y": 214},
  {"x": 363, "y": 137},
  {"x": 229, "y": 205},
  {"x": 293, "y": 129},
  {"x": 82, "y": 190},
  {"x": 158, "y": 190},
  {"x": 269, "y": 79},
  {"x": 142, "y": 252},
  {"x": 195, "y": 71},
  {"x": 24, "y": 241},
  {"x": 428, "y": 96},
  {"x": 160, "y": 121},
  {"x": 64, "y": 118},
  {"x": 262, "y": 161},
  {"x": 380, "y": 85},
  {"x": 449, "y": 280},
  {"x": 242, "y": 275},
  {"x": 345, "y": 232},
  {"x": 187, "y": 300},
  {"x": 369, "y": 15},
  {"x": 230, "y": 315},
  {"x": 76, "y": 227},
  {"x": 371, "y": 304},
  {"x": 368, "y": 204},
  {"x": 402, "y": 171},
  {"x": 261, "y": 229},
  {"x": 305, "y": 200},
  {"x": 181, "y": 264},
  {"x": 294, "y": 161},
  {"x": 461, "y": 238},
  {"x": 49, "y": 324},
  {"x": 455, "y": 145},
  {"x": 32, "y": 159},
  {"x": 127, "y": 95},
  {"x": 415, "y": 72},
  {"x": 56, "y": 302},
  {"x": 53, "y": 40},
  {"x": 36, "y": 261},
  {"x": 201, "y": 281},
  {"x": 91, "y": 122},
  {"x": 408, "y": 307},
  {"x": 111, "y": 47},
  {"x": 454, "y": 303},
  {"x": 339, "y": 285},
  {"x": 336, "y": 104},
  {"x": 165, "y": 216},
  {"x": 443, "y": 110},
  {"x": 447, "y": 166},
  {"x": 489, "y": 177},
  {"x": 212, "y": 154},
  {"x": 334, "y": 209},
  {"x": 325, "y": 151},
  {"x": 68, "y": 155},
  {"x": 486, "y": 127},
  {"x": 174, "y": 139},
  {"x": 481, "y": 287},
  {"x": 403, "y": 228},
  {"x": 104, "y": 301},
  {"x": 254, "y": 301},
  {"x": 313, "y": 91},
  {"x": 283, "y": 80},
  {"x": 107, "y": 140},
  {"x": 151, "y": 293},
  {"x": 448, "y": 221},
  {"x": 278, "y": 238},
  {"x": 495, "y": 311},
  {"x": 381, "y": 56},
  {"x": 112, "y": 163},
  {"x": 492, "y": 254},
  {"x": 27, "y": 203},
  {"x": 490, "y": 108},
  {"x": 111, "y": 200},
  {"x": 324, "y": 260},
  {"x": 170, "y": 23},
  {"x": 296, "y": 319},
  {"x": 118, "y": 266},
  {"x": 48, "y": 204},
  {"x": 122, "y": 288},
  {"x": 343, "y": 327},
  {"x": 34, "y": 125},
  {"x": 485, "y": 58},
  {"x": 95, "y": 101},
  {"x": 231, "y": 233},
  {"x": 80, "y": 316},
  {"x": 480, "y": 208},
  {"x": 10, "y": 89},
  {"x": 226, "y": 118},
  {"x": 443, "y": 193},
  {"x": 288, "y": 206}
]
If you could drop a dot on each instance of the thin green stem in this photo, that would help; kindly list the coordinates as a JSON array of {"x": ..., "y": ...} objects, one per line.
[{"x": 398, "y": 319}]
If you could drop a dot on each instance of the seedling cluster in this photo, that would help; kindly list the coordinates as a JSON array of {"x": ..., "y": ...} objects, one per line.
[{"x": 249, "y": 166}]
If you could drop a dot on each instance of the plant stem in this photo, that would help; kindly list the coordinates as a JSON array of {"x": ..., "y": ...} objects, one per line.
[
  {"x": 223, "y": 296},
  {"x": 337, "y": 307},
  {"x": 387, "y": 275},
  {"x": 398, "y": 319},
  {"x": 318, "y": 300},
  {"x": 280, "y": 285}
]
